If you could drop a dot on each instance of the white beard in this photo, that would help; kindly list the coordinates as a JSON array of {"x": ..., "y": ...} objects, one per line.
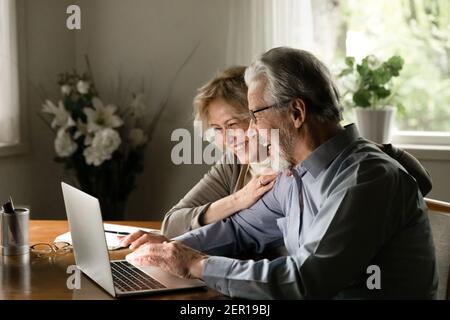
[
  {"x": 280, "y": 165},
  {"x": 277, "y": 162}
]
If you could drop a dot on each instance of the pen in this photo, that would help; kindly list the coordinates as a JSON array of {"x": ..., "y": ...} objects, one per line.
[
  {"x": 14, "y": 226},
  {"x": 118, "y": 232},
  {"x": 8, "y": 207}
]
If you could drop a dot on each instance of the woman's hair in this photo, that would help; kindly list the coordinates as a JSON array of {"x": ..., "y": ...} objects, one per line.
[{"x": 228, "y": 85}]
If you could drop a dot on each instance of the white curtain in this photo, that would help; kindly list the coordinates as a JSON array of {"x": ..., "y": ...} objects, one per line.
[
  {"x": 255, "y": 26},
  {"x": 9, "y": 91}
]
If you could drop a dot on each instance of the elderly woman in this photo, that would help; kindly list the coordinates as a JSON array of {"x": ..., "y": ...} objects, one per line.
[{"x": 227, "y": 188}]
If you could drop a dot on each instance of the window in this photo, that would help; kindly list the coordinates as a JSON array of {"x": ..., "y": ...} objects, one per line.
[
  {"x": 419, "y": 30},
  {"x": 258, "y": 25},
  {"x": 9, "y": 82}
]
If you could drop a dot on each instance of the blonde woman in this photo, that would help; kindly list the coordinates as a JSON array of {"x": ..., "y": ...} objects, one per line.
[{"x": 227, "y": 188}]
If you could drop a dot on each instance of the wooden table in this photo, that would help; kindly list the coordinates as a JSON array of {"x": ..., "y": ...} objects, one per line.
[{"x": 32, "y": 277}]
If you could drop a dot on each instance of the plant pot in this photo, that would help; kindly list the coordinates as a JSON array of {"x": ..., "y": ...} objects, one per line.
[{"x": 375, "y": 124}]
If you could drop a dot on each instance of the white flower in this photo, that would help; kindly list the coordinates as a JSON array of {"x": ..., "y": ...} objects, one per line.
[
  {"x": 64, "y": 145},
  {"x": 138, "y": 107},
  {"x": 83, "y": 87},
  {"x": 105, "y": 142},
  {"x": 66, "y": 89},
  {"x": 101, "y": 117},
  {"x": 93, "y": 156},
  {"x": 82, "y": 131},
  {"x": 62, "y": 118},
  {"x": 137, "y": 137}
]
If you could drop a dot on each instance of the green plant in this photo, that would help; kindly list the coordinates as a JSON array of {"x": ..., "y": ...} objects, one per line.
[{"x": 370, "y": 83}]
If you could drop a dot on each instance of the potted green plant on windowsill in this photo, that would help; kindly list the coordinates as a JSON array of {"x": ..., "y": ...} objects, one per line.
[{"x": 369, "y": 89}]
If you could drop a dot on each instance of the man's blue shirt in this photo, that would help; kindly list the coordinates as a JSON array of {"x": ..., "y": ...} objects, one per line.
[{"x": 346, "y": 207}]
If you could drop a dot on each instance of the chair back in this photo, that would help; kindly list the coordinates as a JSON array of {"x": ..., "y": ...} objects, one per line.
[{"x": 439, "y": 215}]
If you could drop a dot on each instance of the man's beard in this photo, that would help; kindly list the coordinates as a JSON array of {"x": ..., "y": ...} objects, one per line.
[
  {"x": 281, "y": 165},
  {"x": 282, "y": 151}
]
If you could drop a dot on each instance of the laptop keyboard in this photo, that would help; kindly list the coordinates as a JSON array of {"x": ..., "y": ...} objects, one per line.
[{"x": 129, "y": 278}]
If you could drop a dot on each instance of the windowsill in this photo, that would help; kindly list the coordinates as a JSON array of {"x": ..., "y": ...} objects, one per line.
[
  {"x": 7, "y": 150},
  {"x": 427, "y": 152},
  {"x": 424, "y": 145}
]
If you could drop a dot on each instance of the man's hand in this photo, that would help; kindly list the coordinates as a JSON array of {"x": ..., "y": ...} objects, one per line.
[
  {"x": 173, "y": 257},
  {"x": 138, "y": 238}
]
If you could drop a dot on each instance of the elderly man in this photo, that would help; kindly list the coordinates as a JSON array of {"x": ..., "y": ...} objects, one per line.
[{"x": 351, "y": 218}]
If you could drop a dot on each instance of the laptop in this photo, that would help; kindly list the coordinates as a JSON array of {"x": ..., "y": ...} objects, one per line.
[{"x": 119, "y": 278}]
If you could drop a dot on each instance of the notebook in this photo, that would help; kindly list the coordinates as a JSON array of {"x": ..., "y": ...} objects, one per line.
[{"x": 112, "y": 240}]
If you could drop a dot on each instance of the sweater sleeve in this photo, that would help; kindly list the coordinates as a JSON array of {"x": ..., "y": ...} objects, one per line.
[
  {"x": 216, "y": 184},
  {"x": 412, "y": 165}
]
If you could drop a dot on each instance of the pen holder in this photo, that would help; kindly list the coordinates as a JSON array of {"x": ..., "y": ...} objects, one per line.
[{"x": 14, "y": 232}]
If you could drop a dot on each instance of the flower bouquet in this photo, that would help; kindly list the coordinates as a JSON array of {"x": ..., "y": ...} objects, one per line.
[{"x": 101, "y": 145}]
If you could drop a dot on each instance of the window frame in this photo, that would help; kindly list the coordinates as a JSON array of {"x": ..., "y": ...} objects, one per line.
[
  {"x": 424, "y": 145},
  {"x": 423, "y": 138}
]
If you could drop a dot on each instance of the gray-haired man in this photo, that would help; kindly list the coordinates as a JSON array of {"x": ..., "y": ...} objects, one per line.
[{"x": 345, "y": 207}]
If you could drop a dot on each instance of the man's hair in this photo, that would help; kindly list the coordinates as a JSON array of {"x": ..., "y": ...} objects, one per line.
[
  {"x": 292, "y": 73},
  {"x": 228, "y": 85}
]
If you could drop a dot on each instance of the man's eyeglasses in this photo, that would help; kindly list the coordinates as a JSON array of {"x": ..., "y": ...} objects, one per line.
[{"x": 252, "y": 112}]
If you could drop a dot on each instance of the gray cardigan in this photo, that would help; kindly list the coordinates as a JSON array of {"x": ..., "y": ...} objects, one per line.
[
  {"x": 219, "y": 182},
  {"x": 224, "y": 179}
]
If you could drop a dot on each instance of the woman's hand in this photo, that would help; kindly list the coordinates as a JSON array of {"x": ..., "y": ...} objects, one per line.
[
  {"x": 239, "y": 200},
  {"x": 254, "y": 190}
]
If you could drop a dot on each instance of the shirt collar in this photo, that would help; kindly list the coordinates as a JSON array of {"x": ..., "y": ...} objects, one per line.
[{"x": 320, "y": 158}]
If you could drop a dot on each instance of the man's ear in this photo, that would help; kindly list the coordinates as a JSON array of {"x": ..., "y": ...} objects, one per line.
[{"x": 297, "y": 112}]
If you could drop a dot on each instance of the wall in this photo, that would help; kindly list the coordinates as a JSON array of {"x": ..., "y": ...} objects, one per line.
[
  {"x": 146, "y": 42},
  {"x": 143, "y": 43},
  {"x": 440, "y": 174}
]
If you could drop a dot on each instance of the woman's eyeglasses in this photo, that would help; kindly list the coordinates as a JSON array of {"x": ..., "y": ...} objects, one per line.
[{"x": 58, "y": 248}]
